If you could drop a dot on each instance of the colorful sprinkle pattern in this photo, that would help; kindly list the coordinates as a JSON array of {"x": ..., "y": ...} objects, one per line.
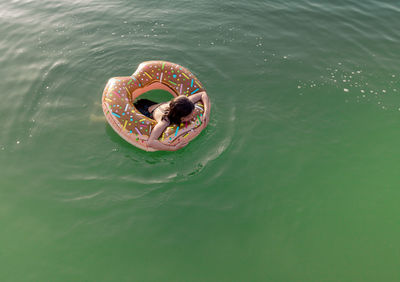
[{"x": 134, "y": 127}]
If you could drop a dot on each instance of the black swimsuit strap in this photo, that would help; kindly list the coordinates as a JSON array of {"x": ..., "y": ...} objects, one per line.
[{"x": 157, "y": 106}]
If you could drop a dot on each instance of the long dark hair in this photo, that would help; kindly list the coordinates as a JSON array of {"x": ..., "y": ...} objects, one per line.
[{"x": 179, "y": 107}]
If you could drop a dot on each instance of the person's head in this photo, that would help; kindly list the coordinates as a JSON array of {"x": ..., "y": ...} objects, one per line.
[{"x": 180, "y": 110}]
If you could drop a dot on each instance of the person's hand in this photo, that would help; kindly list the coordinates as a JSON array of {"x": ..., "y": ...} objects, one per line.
[{"x": 205, "y": 119}]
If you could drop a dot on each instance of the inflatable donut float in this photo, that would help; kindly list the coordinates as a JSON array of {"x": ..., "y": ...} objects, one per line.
[{"x": 120, "y": 93}]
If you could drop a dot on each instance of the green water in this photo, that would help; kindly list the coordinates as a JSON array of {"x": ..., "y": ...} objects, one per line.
[{"x": 294, "y": 179}]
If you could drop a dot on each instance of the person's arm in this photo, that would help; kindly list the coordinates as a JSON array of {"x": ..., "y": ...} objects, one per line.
[
  {"x": 206, "y": 102},
  {"x": 156, "y": 133}
]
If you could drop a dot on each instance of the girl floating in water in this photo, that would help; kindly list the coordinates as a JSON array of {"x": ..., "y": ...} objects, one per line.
[{"x": 178, "y": 110}]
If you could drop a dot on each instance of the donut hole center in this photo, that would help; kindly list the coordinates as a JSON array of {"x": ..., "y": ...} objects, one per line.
[{"x": 157, "y": 96}]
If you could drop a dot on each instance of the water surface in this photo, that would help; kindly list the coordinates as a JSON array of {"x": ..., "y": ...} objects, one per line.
[{"x": 295, "y": 178}]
